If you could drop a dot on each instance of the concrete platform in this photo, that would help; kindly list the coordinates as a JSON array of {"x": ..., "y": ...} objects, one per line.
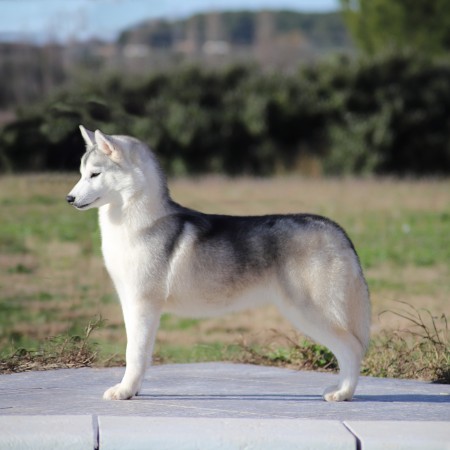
[{"x": 220, "y": 405}]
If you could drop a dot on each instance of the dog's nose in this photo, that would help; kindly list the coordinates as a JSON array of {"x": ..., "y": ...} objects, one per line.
[{"x": 70, "y": 199}]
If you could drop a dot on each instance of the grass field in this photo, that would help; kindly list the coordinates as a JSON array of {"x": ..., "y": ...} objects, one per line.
[{"x": 52, "y": 280}]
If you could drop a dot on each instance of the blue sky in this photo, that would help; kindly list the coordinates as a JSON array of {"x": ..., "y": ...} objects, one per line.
[{"x": 106, "y": 18}]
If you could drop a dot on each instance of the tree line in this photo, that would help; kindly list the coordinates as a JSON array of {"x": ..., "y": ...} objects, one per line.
[{"x": 383, "y": 115}]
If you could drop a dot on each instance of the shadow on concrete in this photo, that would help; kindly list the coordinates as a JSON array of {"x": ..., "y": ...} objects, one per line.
[
  {"x": 397, "y": 398},
  {"x": 251, "y": 397},
  {"x": 404, "y": 398}
]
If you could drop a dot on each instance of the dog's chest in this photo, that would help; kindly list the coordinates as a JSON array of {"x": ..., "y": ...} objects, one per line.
[
  {"x": 132, "y": 258},
  {"x": 116, "y": 249}
]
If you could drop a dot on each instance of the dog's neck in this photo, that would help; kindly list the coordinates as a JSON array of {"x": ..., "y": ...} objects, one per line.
[{"x": 141, "y": 207}]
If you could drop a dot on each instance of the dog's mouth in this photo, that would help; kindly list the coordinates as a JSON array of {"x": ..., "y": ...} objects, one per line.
[{"x": 86, "y": 204}]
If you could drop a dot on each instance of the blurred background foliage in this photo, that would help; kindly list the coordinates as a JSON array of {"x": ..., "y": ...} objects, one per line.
[
  {"x": 377, "y": 25},
  {"x": 382, "y": 109}
]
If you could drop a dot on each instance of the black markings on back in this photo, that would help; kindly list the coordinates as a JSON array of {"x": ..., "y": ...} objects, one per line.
[{"x": 245, "y": 244}]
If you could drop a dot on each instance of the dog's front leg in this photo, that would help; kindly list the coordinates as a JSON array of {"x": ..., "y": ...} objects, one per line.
[{"x": 141, "y": 323}]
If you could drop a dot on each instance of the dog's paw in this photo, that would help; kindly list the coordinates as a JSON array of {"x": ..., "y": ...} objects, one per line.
[
  {"x": 334, "y": 394},
  {"x": 118, "y": 392}
]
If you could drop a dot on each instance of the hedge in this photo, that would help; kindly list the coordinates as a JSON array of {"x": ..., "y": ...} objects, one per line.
[{"x": 387, "y": 115}]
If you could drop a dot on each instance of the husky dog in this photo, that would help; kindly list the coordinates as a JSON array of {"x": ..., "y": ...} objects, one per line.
[{"x": 164, "y": 257}]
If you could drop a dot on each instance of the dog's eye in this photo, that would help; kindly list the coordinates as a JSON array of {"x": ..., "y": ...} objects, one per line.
[{"x": 96, "y": 174}]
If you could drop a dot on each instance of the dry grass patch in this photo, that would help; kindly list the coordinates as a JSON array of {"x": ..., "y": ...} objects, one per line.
[
  {"x": 421, "y": 350},
  {"x": 60, "y": 352}
]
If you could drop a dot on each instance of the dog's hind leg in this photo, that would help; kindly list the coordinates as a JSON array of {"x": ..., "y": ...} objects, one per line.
[
  {"x": 141, "y": 323},
  {"x": 342, "y": 343},
  {"x": 349, "y": 353},
  {"x": 326, "y": 298}
]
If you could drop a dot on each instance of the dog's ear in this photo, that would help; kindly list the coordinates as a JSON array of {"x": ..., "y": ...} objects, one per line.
[
  {"x": 108, "y": 146},
  {"x": 88, "y": 136}
]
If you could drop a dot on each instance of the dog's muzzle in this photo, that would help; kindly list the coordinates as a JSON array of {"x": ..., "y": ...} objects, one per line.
[{"x": 70, "y": 199}]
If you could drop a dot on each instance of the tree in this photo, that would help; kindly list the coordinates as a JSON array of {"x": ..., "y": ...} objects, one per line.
[{"x": 420, "y": 25}]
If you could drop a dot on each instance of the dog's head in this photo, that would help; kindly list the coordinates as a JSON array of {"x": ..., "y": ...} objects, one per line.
[{"x": 111, "y": 170}]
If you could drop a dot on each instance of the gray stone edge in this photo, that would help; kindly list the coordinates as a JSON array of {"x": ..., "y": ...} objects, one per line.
[{"x": 349, "y": 430}]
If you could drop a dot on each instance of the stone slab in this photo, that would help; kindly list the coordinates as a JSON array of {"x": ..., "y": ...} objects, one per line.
[
  {"x": 221, "y": 390},
  {"x": 394, "y": 435},
  {"x": 136, "y": 433},
  {"x": 47, "y": 432}
]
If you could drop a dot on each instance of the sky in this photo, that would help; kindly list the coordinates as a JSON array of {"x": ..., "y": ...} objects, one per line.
[{"x": 81, "y": 19}]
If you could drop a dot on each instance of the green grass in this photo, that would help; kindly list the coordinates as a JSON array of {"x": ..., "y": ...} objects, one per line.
[
  {"x": 170, "y": 322},
  {"x": 215, "y": 351},
  {"x": 402, "y": 238},
  {"x": 52, "y": 279},
  {"x": 44, "y": 222}
]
